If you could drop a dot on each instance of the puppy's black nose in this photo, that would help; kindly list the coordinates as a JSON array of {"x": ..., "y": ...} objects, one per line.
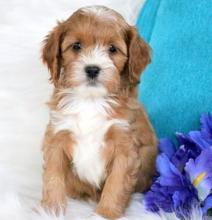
[{"x": 92, "y": 71}]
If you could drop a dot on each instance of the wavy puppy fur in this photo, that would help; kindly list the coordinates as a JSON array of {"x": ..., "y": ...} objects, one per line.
[{"x": 99, "y": 143}]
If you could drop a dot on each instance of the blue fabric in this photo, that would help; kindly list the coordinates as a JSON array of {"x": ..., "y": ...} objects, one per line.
[{"x": 177, "y": 86}]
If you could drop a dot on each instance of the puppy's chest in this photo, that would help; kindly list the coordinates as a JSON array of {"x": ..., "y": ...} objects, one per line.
[{"x": 89, "y": 125}]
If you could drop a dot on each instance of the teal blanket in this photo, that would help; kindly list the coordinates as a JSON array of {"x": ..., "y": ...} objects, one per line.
[{"x": 177, "y": 87}]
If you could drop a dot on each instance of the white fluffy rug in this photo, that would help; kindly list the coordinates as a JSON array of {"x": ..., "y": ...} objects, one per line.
[{"x": 24, "y": 89}]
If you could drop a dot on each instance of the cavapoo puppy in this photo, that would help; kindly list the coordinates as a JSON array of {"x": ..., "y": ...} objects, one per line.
[{"x": 99, "y": 143}]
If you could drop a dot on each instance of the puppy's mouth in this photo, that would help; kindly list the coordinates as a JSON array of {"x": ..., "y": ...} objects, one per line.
[{"x": 93, "y": 82}]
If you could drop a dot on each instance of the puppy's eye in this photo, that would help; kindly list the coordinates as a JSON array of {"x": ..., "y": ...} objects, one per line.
[
  {"x": 76, "y": 46},
  {"x": 112, "y": 49}
]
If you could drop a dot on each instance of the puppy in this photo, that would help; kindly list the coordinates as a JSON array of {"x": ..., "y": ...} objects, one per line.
[{"x": 99, "y": 143}]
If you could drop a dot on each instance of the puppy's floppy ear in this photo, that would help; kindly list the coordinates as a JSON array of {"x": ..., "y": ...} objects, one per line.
[
  {"x": 51, "y": 52},
  {"x": 139, "y": 55}
]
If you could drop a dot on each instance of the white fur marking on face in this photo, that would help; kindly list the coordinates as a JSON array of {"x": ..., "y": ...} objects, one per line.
[
  {"x": 94, "y": 56},
  {"x": 87, "y": 119},
  {"x": 101, "y": 12}
]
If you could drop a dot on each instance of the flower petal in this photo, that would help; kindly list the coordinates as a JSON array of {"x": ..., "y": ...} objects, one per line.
[
  {"x": 200, "y": 173},
  {"x": 207, "y": 204},
  {"x": 181, "y": 157},
  {"x": 198, "y": 139},
  {"x": 165, "y": 167},
  {"x": 167, "y": 147},
  {"x": 206, "y": 125}
]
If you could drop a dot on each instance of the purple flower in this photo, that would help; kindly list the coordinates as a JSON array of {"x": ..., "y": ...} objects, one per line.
[
  {"x": 184, "y": 173},
  {"x": 179, "y": 156},
  {"x": 172, "y": 191},
  {"x": 199, "y": 171}
]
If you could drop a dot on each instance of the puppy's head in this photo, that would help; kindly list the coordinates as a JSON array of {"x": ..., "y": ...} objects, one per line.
[{"x": 95, "y": 52}]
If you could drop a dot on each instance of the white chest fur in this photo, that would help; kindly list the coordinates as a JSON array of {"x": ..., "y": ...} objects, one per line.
[{"x": 87, "y": 120}]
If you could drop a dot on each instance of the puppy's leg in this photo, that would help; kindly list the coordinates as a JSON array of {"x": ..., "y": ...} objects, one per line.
[
  {"x": 147, "y": 169},
  {"x": 78, "y": 189},
  {"x": 56, "y": 166},
  {"x": 145, "y": 138},
  {"x": 123, "y": 175}
]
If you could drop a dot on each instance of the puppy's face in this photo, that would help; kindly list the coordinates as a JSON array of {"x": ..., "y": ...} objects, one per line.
[{"x": 95, "y": 52}]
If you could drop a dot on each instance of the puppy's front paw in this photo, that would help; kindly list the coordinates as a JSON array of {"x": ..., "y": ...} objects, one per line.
[
  {"x": 108, "y": 211},
  {"x": 53, "y": 207}
]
